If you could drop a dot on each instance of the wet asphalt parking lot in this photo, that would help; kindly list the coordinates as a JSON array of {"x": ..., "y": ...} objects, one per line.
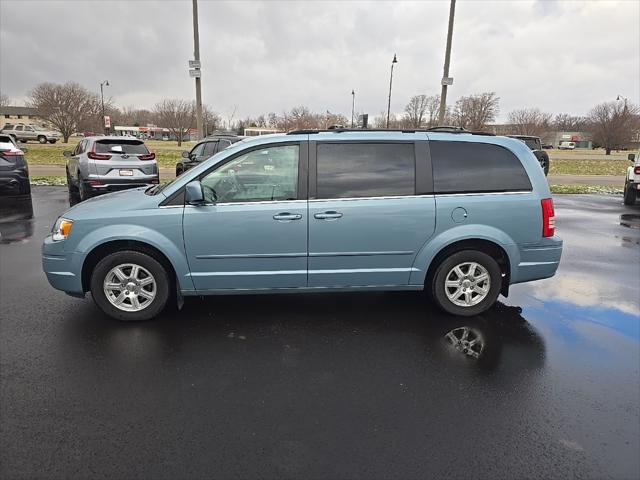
[{"x": 329, "y": 386}]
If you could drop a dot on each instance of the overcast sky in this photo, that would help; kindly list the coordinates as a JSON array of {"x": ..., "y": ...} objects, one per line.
[{"x": 259, "y": 57}]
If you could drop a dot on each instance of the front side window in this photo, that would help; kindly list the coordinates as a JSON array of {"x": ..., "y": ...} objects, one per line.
[
  {"x": 267, "y": 174},
  {"x": 469, "y": 167},
  {"x": 28, "y": 129},
  {"x": 197, "y": 151},
  {"x": 352, "y": 170},
  {"x": 19, "y": 128}
]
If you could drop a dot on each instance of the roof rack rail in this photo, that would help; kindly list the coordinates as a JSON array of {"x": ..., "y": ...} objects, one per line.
[{"x": 311, "y": 131}]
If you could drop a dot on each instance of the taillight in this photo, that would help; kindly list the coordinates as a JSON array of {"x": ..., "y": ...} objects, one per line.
[
  {"x": 98, "y": 156},
  {"x": 548, "y": 218},
  {"x": 10, "y": 153},
  {"x": 148, "y": 156},
  {"x": 636, "y": 170}
]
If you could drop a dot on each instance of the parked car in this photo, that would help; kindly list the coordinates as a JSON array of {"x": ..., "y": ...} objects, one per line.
[
  {"x": 23, "y": 133},
  {"x": 460, "y": 215},
  {"x": 567, "y": 145},
  {"x": 14, "y": 171},
  {"x": 204, "y": 149},
  {"x": 107, "y": 164},
  {"x": 535, "y": 144},
  {"x": 547, "y": 146},
  {"x": 632, "y": 179}
]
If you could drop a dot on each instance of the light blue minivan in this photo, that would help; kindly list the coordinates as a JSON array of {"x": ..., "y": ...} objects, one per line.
[{"x": 461, "y": 215}]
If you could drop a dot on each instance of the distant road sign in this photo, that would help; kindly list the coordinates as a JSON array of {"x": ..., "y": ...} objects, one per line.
[
  {"x": 107, "y": 121},
  {"x": 447, "y": 81},
  {"x": 194, "y": 63},
  {"x": 195, "y": 73}
]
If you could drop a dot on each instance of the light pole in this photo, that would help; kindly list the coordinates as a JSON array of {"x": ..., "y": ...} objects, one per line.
[
  {"x": 395, "y": 60},
  {"x": 102, "y": 85},
  {"x": 620, "y": 97},
  {"x": 196, "y": 57},
  {"x": 353, "y": 105},
  {"x": 447, "y": 56}
]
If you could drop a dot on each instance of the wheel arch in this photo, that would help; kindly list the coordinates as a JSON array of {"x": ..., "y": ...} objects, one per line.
[
  {"x": 491, "y": 247},
  {"x": 102, "y": 250}
]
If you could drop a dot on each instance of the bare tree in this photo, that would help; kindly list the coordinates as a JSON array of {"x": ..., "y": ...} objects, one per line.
[
  {"x": 476, "y": 111},
  {"x": 211, "y": 121},
  {"x": 4, "y": 100},
  {"x": 65, "y": 106},
  {"x": 176, "y": 115},
  {"x": 568, "y": 123},
  {"x": 529, "y": 121},
  {"x": 415, "y": 110},
  {"x": 612, "y": 124},
  {"x": 433, "y": 109}
]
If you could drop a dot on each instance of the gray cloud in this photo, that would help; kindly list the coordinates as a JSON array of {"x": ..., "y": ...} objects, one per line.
[{"x": 261, "y": 57}]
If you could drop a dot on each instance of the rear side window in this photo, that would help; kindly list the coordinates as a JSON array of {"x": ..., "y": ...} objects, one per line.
[
  {"x": 131, "y": 147},
  {"x": 467, "y": 167},
  {"x": 209, "y": 149},
  {"x": 351, "y": 170}
]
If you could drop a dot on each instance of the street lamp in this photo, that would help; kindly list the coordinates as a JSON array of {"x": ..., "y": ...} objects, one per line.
[
  {"x": 353, "y": 105},
  {"x": 620, "y": 97},
  {"x": 102, "y": 85},
  {"x": 446, "y": 80},
  {"x": 395, "y": 60}
]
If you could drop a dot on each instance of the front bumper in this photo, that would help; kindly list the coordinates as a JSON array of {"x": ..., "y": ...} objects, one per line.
[{"x": 63, "y": 269}]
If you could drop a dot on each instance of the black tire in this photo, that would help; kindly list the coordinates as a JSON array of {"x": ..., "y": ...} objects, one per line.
[
  {"x": 52, "y": 141},
  {"x": 178, "y": 172},
  {"x": 70, "y": 186},
  {"x": 629, "y": 194},
  {"x": 159, "y": 273},
  {"x": 437, "y": 287},
  {"x": 83, "y": 192},
  {"x": 42, "y": 139}
]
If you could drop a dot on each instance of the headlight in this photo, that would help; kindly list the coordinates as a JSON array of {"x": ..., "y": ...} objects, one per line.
[{"x": 62, "y": 229}]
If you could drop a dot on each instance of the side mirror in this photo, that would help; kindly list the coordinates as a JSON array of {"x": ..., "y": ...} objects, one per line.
[
  {"x": 193, "y": 194},
  {"x": 631, "y": 157},
  {"x": 67, "y": 153},
  {"x": 185, "y": 154}
]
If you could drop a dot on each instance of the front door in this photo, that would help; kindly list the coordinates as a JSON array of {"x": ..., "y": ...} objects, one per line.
[
  {"x": 252, "y": 231},
  {"x": 371, "y": 214}
]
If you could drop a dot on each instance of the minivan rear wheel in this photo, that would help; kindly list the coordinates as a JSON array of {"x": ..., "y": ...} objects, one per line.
[
  {"x": 466, "y": 283},
  {"x": 130, "y": 286}
]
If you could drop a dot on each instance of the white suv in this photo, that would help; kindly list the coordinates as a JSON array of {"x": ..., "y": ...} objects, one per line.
[
  {"x": 632, "y": 180},
  {"x": 23, "y": 133}
]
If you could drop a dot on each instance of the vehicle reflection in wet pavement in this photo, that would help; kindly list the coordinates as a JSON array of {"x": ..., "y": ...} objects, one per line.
[
  {"x": 16, "y": 218},
  {"x": 334, "y": 385}
]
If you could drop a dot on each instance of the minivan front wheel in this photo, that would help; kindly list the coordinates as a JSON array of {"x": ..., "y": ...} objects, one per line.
[
  {"x": 467, "y": 283},
  {"x": 130, "y": 285}
]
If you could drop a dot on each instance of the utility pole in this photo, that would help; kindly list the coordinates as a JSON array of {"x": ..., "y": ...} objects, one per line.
[
  {"x": 447, "y": 57},
  {"x": 102, "y": 85},
  {"x": 395, "y": 60},
  {"x": 353, "y": 105},
  {"x": 196, "y": 57}
]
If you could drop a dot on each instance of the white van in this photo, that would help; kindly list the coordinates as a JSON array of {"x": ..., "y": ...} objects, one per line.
[{"x": 567, "y": 145}]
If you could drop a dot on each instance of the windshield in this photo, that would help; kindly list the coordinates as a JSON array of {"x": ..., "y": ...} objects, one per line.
[{"x": 130, "y": 147}]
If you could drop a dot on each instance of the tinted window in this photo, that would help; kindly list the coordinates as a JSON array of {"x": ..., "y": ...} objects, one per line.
[
  {"x": 365, "y": 170},
  {"x": 209, "y": 149},
  {"x": 461, "y": 167},
  {"x": 197, "y": 150},
  {"x": 222, "y": 144},
  {"x": 19, "y": 128},
  {"x": 131, "y": 147}
]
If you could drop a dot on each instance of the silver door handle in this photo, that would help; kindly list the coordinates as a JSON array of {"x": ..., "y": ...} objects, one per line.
[
  {"x": 287, "y": 216},
  {"x": 327, "y": 215}
]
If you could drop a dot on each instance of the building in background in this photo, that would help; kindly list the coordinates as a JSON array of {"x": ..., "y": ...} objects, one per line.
[
  {"x": 26, "y": 115},
  {"x": 257, "y": 131}
]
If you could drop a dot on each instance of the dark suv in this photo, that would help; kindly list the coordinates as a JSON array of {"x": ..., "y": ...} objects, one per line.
[
  {"x": 535, "y": 145},
  {"x": 205, "y": 149}
]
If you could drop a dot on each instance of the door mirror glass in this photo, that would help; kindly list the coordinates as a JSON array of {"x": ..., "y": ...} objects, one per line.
[
  {"x": 185, "y": 154},
  {"x": 193, "y": 193},
  {"x": 67, "y": 153},
  {"x": 632, "y": 157}
]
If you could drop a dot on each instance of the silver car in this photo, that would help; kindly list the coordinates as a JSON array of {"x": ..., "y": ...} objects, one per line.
[{"x": 107, "y": 164}]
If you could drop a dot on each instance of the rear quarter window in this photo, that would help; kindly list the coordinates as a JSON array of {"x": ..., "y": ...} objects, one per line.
[{"x": 469, "y": 167}]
